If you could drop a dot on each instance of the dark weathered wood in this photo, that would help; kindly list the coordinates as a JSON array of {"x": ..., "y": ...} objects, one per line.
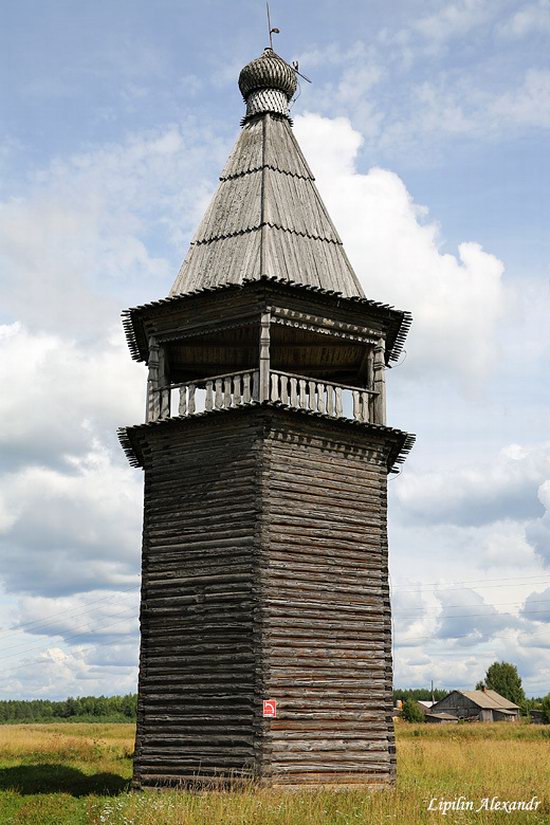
[
  {"x": 264, "y": 576},
  {"x": 379, "y": 383},
  {"x": 265, "y": 322}
]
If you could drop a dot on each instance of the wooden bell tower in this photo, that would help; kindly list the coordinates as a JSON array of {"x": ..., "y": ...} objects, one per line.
[{"x": 266, "y": 454}]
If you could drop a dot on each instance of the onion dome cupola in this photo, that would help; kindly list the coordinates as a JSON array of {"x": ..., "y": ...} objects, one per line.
[{"x": 267, "y": 84}]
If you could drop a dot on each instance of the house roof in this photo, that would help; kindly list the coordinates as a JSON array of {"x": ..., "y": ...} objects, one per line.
[
  {"x": 267, "y": 217},
  {"x": 489, "y": 699},
  {"x": 485, "y": 699}
]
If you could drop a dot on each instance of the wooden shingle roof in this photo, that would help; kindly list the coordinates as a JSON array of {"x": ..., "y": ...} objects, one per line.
[
  {"x": 489, "y": 699},
  {"x": 267, "y": 219}
]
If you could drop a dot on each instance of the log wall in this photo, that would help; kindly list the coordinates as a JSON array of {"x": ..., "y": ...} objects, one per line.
[
  {"x": 264, "y": 576},
  {"x": 326, "y": 610},
  {"x": 198, "y": 663}
]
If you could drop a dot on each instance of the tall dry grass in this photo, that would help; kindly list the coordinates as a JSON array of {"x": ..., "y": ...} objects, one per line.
[
  {"x": 85, "y": 744},
  {"x": 476, "y": 761}
]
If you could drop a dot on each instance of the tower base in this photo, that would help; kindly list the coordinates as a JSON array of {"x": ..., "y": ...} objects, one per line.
[{"x": 264, "y": 577}]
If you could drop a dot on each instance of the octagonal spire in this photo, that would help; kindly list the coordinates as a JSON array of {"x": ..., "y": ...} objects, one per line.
[{"x": 267, "y": 218}]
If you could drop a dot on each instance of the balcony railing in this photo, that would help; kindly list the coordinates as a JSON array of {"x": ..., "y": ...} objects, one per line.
[{"x": 237, "y": 389}]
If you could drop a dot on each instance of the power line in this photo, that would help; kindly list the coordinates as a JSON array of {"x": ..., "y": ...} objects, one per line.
[
  {"x": 490, "y": 616},
  {"x": 494, "y": 604},
  {"x": 107, "y": 626},
  {"x": 433, "y": 638},
  {"x": 50, "y": 620},
  {"x": 454, "y": 585}
]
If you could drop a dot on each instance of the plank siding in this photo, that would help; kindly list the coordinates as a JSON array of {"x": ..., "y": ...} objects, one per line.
[{"x": 264, "y": 575}]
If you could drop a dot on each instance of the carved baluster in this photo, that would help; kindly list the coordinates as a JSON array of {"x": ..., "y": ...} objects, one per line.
[
  {"x": 330, "y": 399},
  {"x": 246, "y": 388},
  {"x": 237, "y": 397},
  {"x": 355, "y": 396},
  {"x": 293, "y": 392},
  {"x": 256, "y": 385},
  {"x": 284, "y": 389},
  {"x": 311, "y": 387},
  {"x": 364, "y": 406},
  {"x": 218, "y": 396},
  {"x": 191, "y": 400},
  {"x": 303, "y": 396},
  {"x": 208, "y": 397},
  {"x": 274, "y": 386},
  {"x": 339, "y": 404},
  {"x": 321, "y": 398},
  {"x": 182, "y": 408},
  {"x": 227, "y": 392}
]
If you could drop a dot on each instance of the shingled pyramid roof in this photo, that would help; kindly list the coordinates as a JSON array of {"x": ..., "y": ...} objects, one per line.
[{"x": 267, "y": 217}]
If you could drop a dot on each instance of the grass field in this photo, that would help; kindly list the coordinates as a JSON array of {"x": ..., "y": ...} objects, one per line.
[{"x": 71, "y": 775}]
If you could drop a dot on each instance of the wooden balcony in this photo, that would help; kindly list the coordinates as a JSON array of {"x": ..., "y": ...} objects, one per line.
[{"x": 237, "y": 389}]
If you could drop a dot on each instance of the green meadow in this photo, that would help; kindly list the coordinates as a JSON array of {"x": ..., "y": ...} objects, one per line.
[{"x": 59, "y": 774}]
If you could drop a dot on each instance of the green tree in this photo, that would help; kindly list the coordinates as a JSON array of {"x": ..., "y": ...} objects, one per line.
[
  {"x": 505, "y": 679},
  {"x": 545, "y": 705},
  {"x": 411, "y": 712}
]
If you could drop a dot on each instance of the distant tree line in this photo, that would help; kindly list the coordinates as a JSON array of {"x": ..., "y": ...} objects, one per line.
[
  {"x": 73, "y": 709},
  {"x": 420, "y": 694}
]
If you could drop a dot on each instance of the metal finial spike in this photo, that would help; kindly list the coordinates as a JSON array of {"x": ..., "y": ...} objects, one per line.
[{"x": 270, "y": 29}]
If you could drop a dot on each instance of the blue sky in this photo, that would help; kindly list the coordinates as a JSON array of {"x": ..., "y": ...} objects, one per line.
[{"x": 427, "y": 127}]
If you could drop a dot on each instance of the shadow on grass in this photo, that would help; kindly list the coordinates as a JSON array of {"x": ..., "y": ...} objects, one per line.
[{"x": 35, "y": 779}]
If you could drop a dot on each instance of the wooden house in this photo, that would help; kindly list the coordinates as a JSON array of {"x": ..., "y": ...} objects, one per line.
[
  {"x": 484, "y": 705},
  {"x": 265, "y": 610}
]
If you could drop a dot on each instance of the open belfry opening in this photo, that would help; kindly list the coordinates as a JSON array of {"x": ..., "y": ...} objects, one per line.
[{"x": 265, "y": 606}]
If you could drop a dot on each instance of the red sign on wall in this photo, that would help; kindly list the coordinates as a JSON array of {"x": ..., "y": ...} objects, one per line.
[{"x": 270, "y": 708}]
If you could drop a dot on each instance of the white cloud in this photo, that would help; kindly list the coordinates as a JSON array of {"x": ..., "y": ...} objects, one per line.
[
  {"x": 73, "y": 529},
  {"x": 84, "y": 614},
  {"x": 469, "y": 618},
  {"x": 57, "y": 673},
  {"x": 456, "y": 300},
  {"x": 63, "y": 392},
  {"x": 101, "y": 223},
  {"x": 454, "y": 19},
  {"x": 531, "y": 19},
  {"x": 528, "y": 105},
  {"x": 70, "y": 512},
  {"x": 504, "y": 488},
  {"x": 538, "y": 532}
]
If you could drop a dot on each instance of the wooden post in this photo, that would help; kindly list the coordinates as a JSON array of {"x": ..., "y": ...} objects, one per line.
[
  {"x": 379, "y": 382},
  {"x": 152, "y": 407},
  {"x": 370, "y": 380},
  {"x": 163, "y": 381},
  {"x": 265, "y": 323}
]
